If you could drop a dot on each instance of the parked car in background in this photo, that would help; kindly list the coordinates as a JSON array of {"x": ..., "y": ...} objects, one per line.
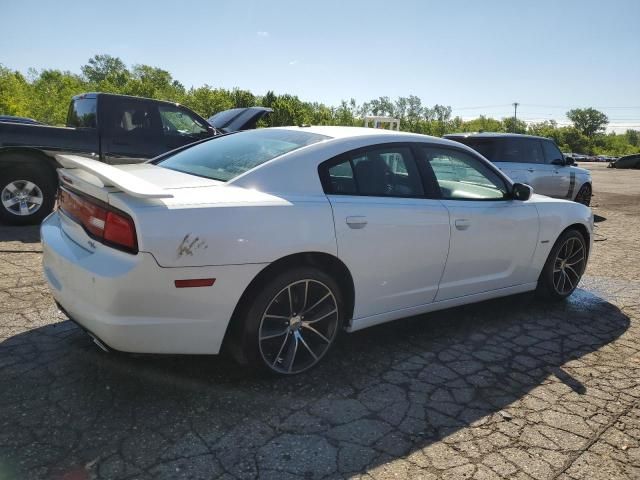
[
  {"x": 270, "y": 241},
  {"x": 628, "y": 161},
  {"x": 12, "y": 119},
  {"x": 535, "y": 161},
  {"x": 111, "y": 128}
]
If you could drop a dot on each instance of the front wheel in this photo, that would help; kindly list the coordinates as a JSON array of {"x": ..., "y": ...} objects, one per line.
[
  {"x": 565, "y": 266},
  {"x": 293, "y": 321},
  {"x": 584, "y": 195}
]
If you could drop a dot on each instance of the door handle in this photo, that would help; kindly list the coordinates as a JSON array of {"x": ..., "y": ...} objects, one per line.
[
  {"x": 462, "y": 224},
  {"x": 530, "y": 170},
  {"x": 357, "y": 222}
]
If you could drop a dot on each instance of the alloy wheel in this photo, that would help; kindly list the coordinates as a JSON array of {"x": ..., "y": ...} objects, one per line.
[
  {"x": 298, "y": 326},
  {"x": 22, "y": 197},
  {"x": 569, "y": 265}
]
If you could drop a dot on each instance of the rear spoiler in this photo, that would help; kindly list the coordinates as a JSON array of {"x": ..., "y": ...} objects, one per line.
[{"x": 109, "y": 176}]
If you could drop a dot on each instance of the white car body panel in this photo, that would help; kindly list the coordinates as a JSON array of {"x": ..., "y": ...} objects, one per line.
[
  {"x": 408, "y": 258},
  {"x": 130, "y": 302},
  {"x": 383, "y": 242},
  {"x": 492, "y": 244}
]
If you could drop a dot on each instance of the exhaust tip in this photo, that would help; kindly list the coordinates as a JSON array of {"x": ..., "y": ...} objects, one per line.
[{"x": 99, "y": 343}]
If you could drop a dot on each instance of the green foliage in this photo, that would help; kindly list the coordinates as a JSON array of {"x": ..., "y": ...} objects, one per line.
[
  {"x": 14, "y": 89},
  {"x": 588, "y": 120},
  {"x": 513, "y": 125},
  {"x": 44, "y": 95}
]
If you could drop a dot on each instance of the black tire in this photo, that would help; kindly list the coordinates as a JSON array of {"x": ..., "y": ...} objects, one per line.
[
  {"x": 21, "y": 177},
  {"x": 273, "y": 352},
  {"x": 564, "y": 266},
  {"x": 584, "y": 195}
]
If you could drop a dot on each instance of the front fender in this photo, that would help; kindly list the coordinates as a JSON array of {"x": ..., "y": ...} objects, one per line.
[{"x": 555, "y": 217}]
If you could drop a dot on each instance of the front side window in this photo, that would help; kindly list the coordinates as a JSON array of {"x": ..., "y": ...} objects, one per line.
[
  {"x": 520, "y": 150},
  {"x": 179, "y": 122},
  {"x": 379, "y": 172},
  {"x": 463, "y": 177},
  {"x": 229, "y": 156},
  {"x": 551, "y": 151}
]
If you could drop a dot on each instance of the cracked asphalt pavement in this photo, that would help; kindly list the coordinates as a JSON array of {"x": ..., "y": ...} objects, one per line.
[{"x": 511, "y": 388}]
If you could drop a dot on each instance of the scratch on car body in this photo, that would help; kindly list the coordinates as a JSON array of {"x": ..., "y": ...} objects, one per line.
[{"x": 188, "y": 245}]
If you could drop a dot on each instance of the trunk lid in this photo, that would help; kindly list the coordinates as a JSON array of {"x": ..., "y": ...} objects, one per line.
[
  {"x": 146, "y": 191},
  {"x": 238, "y": 119}
]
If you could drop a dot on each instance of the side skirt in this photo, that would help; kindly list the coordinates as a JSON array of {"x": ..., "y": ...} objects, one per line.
[{"x": 360, "y": 323}]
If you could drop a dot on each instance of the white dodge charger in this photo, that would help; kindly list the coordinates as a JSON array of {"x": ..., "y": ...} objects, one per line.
[{"x": 269, "y": 242}]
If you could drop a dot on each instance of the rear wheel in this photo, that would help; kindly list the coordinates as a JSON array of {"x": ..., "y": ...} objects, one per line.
[
  {"x": 564, "y": 267},
  {"x": 27, "y": 195},
  {"x": 293, "y": 321},
  {"x": 584, "y": 195}
]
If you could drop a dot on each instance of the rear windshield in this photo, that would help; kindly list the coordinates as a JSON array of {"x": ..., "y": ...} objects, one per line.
[{"x": 229, "y": 156}]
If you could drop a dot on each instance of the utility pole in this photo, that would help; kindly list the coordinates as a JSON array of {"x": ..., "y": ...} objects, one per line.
[{"x": 515, "y": 114}]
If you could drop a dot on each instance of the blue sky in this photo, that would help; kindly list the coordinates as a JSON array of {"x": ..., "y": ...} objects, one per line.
[{"x": 547, "y": 55}]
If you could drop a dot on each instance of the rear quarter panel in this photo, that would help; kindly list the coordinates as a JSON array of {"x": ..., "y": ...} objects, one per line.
[{"x": 236, "y": 232}]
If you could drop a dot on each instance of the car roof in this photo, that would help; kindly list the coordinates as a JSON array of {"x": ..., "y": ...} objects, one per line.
[
  {"x": 94, "y": 95},
  {"x": 337, "y": 132},
  {"x": 492, "y": 135}
]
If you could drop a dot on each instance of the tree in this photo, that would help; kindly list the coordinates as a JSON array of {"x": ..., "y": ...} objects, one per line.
[
  {"x": 575, "y": 140},
  {"x": 588, "y": 121},
  {"x": 513, "y": 125},
  {"x": 14, "y": 98},
  {"x": 633, "y": 137},
  {"x": 45, "y": 94},
  {"x": 482, "y": 124},
  {"x": 105, "y": 68}
]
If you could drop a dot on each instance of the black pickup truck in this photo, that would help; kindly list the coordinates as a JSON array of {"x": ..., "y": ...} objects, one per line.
[{"x": 115, "y": 129}]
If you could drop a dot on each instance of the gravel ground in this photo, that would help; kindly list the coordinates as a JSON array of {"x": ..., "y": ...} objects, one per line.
[{"x": 510, "y": 388}]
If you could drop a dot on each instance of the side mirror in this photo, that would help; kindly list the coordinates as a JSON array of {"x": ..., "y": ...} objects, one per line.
[
  {"x": 560, "y": 161},
  {"x": 569, "y": 161},
  {"x": 521, "y": 192}
]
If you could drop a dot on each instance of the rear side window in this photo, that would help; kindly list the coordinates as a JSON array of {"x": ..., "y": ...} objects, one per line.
[
  {"x": 82, "y": 113},
  {"x": 485, "y": 147},
  {"x": 379, "y": 172},
  {"x": 341, "y": 180},
  {"x": 132, "y": 117},
  {"x": 519, "y": 150}
]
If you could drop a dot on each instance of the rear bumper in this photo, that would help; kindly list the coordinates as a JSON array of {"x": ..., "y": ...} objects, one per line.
[{"x": 131, "y": 304}]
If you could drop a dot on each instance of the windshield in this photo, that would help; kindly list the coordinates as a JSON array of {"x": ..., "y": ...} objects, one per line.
[{"x": 229, "y": 156}]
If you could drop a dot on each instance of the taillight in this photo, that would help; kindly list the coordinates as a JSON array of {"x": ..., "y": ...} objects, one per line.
[{"x": 100, "y": 221}]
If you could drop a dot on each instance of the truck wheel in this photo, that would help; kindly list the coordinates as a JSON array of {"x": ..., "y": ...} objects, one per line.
[{"x": 27, "y": 195}]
